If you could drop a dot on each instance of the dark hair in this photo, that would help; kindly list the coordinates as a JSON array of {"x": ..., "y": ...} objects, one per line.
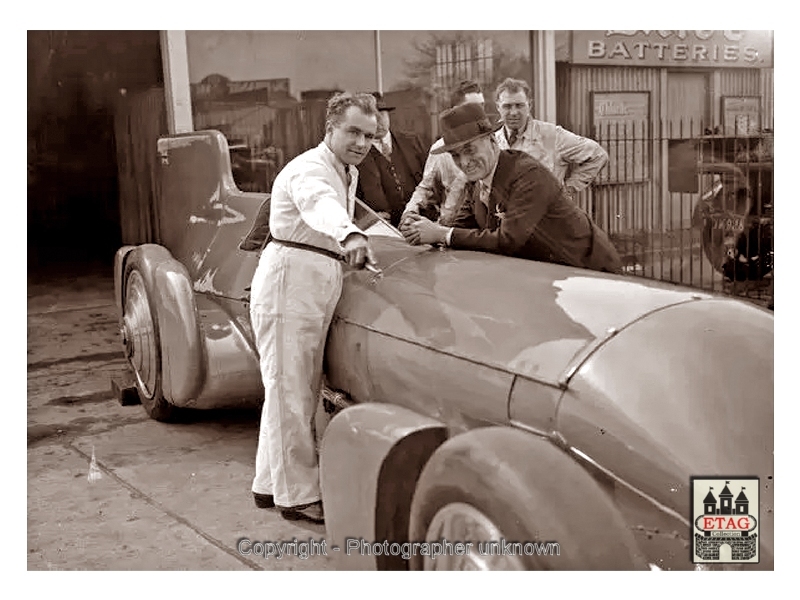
[
  {"x": 339, "y": 104},
  {"x": 467, "y": 86},
  {"x": 512, "y": 86}
]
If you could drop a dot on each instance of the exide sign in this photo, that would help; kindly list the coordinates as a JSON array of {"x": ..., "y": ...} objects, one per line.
[{"x": 668, "y": 48}]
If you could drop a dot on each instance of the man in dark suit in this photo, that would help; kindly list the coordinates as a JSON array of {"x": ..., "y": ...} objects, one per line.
[
  {"x": 392, "y": 168},
  {"x": 513, "y": 205}
]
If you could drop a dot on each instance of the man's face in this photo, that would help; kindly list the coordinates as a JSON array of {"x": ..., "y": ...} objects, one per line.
[
  {"x": 351, "y": 139},
  {"x": 477, "y": 158},
  {"x": 383, "y": 123},
  {"x": 514, "y": 108}
]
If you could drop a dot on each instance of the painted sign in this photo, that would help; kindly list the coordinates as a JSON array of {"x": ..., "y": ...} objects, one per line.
[
  {"x": 613, "y": 107},
  {"x": 741, "y": 115},
  {"x": 219, "y": 87},
  {"x": 620, "y": 123},
  {"x": 673, "y": 47}
]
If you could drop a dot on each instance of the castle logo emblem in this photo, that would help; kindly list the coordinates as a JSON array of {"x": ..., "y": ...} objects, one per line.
[{"x": 725, "y": 519}]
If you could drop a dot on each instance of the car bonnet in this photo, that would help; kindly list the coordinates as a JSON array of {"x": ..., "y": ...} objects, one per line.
[{"x": 533, "y": 319}]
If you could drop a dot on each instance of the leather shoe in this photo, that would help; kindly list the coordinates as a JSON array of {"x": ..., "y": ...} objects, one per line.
[
  {"x": 309, "y": 512},
  {"x": 264, "y": 500}
]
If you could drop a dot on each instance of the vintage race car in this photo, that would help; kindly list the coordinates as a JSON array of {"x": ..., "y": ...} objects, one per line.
[{"x": 477, "y": 398}]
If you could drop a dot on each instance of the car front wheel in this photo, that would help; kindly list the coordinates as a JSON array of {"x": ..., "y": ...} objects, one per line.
[
  {"x": 458, "y": 521},
  {"x": 521, "y": 501}
]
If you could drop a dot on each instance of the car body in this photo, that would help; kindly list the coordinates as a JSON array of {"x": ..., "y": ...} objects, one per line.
[{"x": 476, "y": 396}]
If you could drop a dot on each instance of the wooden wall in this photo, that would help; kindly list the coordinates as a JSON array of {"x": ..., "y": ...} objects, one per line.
[{"x": 140, "y": 119}]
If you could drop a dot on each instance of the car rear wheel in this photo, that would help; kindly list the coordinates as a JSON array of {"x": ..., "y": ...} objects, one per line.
[{"x": 142, "y": 345}]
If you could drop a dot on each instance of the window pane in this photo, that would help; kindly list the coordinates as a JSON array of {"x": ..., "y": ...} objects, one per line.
[{"x": 267, "y": 90}]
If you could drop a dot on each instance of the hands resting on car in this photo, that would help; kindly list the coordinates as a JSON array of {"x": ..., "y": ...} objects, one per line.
[
  {"x": 415, "y": 228},
  {"x": 421, "y": 230}
]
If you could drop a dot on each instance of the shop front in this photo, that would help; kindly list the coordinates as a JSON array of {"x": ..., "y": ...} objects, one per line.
[{"x": 680, "y": 113}]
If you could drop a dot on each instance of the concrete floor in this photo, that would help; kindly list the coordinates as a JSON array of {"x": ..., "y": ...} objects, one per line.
[{"x": 169, "y": 497}]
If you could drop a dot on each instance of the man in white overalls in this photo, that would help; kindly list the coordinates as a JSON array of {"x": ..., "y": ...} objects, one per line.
[{"x": 295, "y": 289}]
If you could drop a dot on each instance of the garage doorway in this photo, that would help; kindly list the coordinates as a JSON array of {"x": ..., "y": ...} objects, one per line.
[{"x": 75, "y": 79}]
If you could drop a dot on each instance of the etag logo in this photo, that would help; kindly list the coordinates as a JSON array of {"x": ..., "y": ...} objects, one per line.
[{"x": 725, "y": 519}]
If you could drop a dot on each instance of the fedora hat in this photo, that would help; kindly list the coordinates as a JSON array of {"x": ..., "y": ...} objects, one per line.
[
  {"x": 381, "y": 102},
  {"x": 462, "y": 124}
]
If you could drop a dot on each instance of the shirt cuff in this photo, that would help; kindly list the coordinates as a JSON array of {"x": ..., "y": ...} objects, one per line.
[
  {"x": 347, "y": 231},
  {"x": 448, "y": 236}
]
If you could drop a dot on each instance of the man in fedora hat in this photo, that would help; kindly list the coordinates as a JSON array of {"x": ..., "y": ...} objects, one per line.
[
  {"x": 513, "y": 204},
  {"x": 438, "y": 194},
  {"x": 391, "y": 170}
]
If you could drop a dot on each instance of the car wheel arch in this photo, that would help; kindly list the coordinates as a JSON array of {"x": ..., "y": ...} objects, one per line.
[
  {"x": 175, "y": 317},
  {"x": 370, "y": 458}
]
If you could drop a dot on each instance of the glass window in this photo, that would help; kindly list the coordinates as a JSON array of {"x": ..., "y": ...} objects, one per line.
[{"x": 266, "y": 91}]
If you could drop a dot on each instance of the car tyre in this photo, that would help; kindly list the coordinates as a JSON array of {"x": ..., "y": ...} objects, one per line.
[
  {"x": 140, "y": 338},
  {"x": 500, "y": 484}
]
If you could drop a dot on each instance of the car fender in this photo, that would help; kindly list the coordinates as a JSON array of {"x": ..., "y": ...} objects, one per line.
[
  {"x": 182, "y": 355},
  {"x": 370, "y": 458},
  {"x": 119, "y": 274}
]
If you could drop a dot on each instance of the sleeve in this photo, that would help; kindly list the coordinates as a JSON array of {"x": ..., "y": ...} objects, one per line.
[
  {"x": 582, "y": 156},
  {"x": 419, "y": 152},
  {"x": 529, "y": 197},
  {"x": 428, "y": 188},
  {"x": 317, "y": 200}
]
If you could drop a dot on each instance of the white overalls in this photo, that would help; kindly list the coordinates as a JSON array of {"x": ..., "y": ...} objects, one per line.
[{"x": 293, "y": 295}]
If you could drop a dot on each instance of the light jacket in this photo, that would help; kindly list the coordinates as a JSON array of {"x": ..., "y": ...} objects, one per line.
[{"x": 573, "y": 159}]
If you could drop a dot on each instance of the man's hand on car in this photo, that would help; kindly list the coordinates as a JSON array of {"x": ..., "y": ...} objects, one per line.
[{"x": 357, "y": 250}]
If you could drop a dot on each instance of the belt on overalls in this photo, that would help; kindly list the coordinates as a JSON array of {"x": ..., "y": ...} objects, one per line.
[{"x": 301, "y": 246}]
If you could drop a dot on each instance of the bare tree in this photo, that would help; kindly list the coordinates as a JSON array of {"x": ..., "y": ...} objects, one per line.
[{"x": 446, "y": 57}]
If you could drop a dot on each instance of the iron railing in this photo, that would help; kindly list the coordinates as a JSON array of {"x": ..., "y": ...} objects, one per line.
[{"x": 690, "y": 205}]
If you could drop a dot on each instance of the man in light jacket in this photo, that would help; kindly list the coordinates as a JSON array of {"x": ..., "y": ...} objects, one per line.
[{"x": 573, "y": 159}]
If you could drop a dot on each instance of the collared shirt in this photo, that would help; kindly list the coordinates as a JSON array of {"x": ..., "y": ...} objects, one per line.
[
  {"x": 484, "y": 188},
  {"x": 574, "y": 160},
  {"x": 311, "y": 202},
  {"x": 440, "y": 176}
]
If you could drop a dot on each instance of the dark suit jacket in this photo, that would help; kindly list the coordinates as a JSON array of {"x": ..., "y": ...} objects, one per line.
[
  {"x": 529, "y": 217},
  {"x": 376, "y": 185}
]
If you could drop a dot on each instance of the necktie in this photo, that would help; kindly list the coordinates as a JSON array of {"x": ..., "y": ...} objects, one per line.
[
  {"x": 383, "y": 148},
  {"x": 480, "y": 192},
  {"x": 512, "y": 138}
]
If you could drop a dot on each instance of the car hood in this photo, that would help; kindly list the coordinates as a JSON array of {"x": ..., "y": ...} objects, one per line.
[
  {"x": 528, "y": 318},
  {"x": 685, "y": 392}
]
